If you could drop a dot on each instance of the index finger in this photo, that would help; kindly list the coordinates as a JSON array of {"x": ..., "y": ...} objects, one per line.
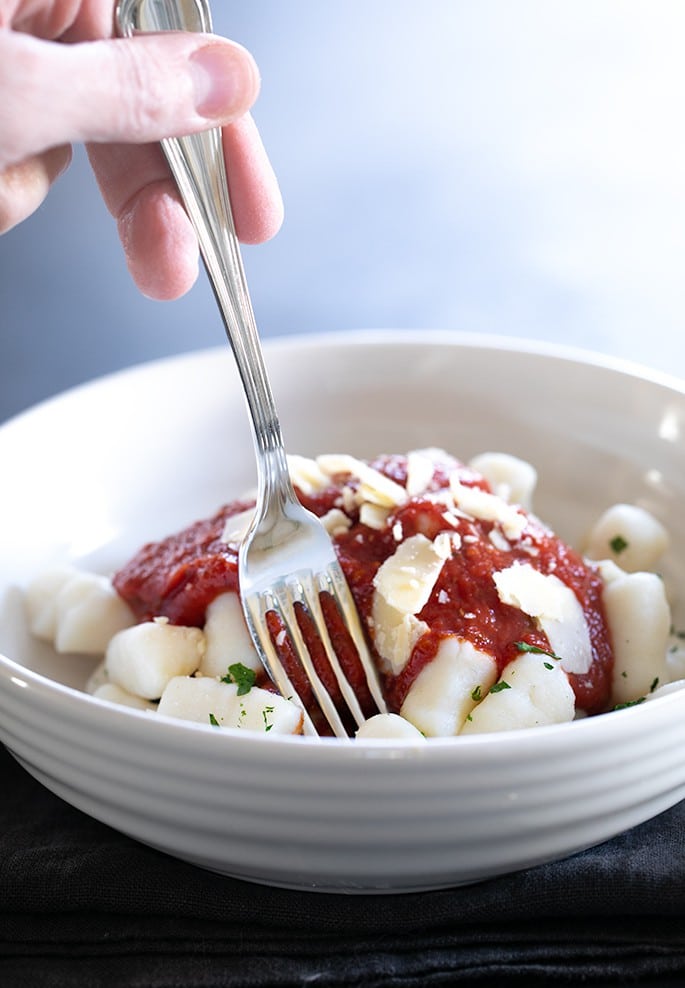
[{"x": 158, "y": 240}]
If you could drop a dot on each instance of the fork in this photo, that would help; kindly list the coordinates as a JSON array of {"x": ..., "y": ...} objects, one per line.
[{"x": 287, "y": 559}]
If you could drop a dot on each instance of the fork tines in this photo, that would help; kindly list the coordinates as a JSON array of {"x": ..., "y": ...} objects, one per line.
[{"x": 313, "y": 646}]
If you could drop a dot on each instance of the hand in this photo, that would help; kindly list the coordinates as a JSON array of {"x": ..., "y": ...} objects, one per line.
[{"x": 120, "y": 97}]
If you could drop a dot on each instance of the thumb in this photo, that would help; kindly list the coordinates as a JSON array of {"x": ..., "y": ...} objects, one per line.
[{"x": 122, "y": 91}]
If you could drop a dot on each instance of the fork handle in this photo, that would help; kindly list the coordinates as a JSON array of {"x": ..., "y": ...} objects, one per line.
[
  {"x": 198, "y": 166},
  {"x": 197, "y": 163}
]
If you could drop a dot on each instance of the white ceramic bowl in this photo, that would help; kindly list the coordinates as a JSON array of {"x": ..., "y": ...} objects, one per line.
[{"x": 90, "y": 476}]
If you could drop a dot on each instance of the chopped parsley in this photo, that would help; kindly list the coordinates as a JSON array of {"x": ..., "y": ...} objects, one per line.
[
  {"x": 655, "y": 683},
  {"x": 477, "y": 693},
  {"x": 526, "y": 647},
  {"x": 548, "y": 665},
  {"x": 265, "y": 712},
  {"x": 630, "y": 703},
  {"x": 213, "y": 721},
  {"x": 618, "y": 544},
  {"x": 498, "y": 687},
  {"x": 242, "y": 676}
]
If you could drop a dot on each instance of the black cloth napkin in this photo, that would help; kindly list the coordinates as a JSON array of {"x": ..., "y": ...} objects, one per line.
[{"x": 81, "y": 905}]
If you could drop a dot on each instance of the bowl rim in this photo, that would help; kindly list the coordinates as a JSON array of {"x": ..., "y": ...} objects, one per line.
[
  {"x": 529, "y": 346},
  {"x": 510, "y": 745}
]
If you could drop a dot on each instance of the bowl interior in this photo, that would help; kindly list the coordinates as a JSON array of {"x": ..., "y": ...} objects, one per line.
[{"x": 93, "y": 474}]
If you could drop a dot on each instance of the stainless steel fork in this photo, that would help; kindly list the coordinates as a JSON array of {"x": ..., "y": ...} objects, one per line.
[{"x": 287, "y": 559}]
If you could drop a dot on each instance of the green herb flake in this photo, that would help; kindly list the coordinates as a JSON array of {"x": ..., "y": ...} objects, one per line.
[
  {"x": 655, "y": 683},
  {"x": 526, "y": 647},
  {"x": 498, "y": 687},
  {"x": 477, "y": 693},
  {"x": 618, "y": 544},
  {"x": 213, "y": 721},
  {"x": 265, "y": 712},
  {"x": 630, "y": 703},
  {"x": 243, "y": 677},
  {"x": 548, "y": 665}
]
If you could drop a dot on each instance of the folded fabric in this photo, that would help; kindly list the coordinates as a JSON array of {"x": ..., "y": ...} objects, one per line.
[{"x": 82, "y": 905}]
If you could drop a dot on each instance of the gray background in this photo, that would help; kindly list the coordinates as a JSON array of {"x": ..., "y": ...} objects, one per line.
[{"x": 504, "y": 166}]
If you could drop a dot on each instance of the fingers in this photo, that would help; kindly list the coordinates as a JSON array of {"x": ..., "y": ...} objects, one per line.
[
  {"x": 255, "y": 195},
  {"x": 24, "y": 186},
  {"x": 121, "y": 97},
  {"x": 159, "y": 243},
  {"x": 134, "y": 91}
]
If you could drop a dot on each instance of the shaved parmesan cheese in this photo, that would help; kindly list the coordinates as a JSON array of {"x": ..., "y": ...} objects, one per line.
[
  {"x": 406, "y": 579},
  {"x": 532, "y": 592},
  {"x": 236, "y": 526},
  {"x": 373, "y": 485},
  {"x": 336, "y": 521},
  {"x": 496, "y": 538},
  {"x": 556, "y": 609},
  {"x": 374, "y": 515},
  {"x": 420, "y": 470},
  {"x": 306, "y": 474},
  {"x": 403, "y": 585},
  {"x": 395, "y": 633},
  {"x": 488, "y": 507}
]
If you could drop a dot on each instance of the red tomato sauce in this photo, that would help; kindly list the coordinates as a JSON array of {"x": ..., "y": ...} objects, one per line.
[{"x": 179, "y": 577}]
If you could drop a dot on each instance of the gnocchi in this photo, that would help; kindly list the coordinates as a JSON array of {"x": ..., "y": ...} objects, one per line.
[{"x": 479, "y": 617}]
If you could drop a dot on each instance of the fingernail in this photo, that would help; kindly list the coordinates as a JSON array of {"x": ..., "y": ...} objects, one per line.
[{"x": 226, "y": 81}]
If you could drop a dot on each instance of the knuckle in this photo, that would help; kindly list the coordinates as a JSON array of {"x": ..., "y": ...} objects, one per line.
[{"x": 143, "y": 79}]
